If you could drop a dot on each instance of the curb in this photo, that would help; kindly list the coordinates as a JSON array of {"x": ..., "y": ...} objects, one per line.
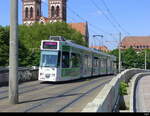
[{"x": 134, "y": 82}]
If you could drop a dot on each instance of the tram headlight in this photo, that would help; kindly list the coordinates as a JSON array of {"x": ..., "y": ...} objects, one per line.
[
  {"x": 41, "y": 74},
  {"x": 47, "y": 75}
]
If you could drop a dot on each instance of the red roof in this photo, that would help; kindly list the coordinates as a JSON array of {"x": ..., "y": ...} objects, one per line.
[
  {"x": 136, "y": 41},
  {"x": 102, "y": 48},
  {"x": 80, "y": 27},
  {"x": 44, "y": 19}
]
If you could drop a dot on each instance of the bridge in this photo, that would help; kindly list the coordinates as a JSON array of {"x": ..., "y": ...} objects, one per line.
[{"x": 97, "y": 94}]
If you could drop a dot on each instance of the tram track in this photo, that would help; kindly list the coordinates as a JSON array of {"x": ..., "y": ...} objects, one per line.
[
  {"x": 22, "y": 91},
  {"x": 49, "y": 100},
  {"x": 81, "y": 96},
  {"x": 37, "y": 100},
  {"x": 6, "y": 89}
]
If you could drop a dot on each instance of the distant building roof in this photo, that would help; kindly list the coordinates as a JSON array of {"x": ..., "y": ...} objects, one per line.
[
  {"x": 80, "y": 27},
  {"x": 102, "y": 48},
  {"x": 44, "y": 20},
  {"x": 137, "y": 42}
]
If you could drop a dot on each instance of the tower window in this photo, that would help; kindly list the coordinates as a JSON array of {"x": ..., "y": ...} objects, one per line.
[
  {"x": 31, "y": 12},
  {"x": 57, "y": 11},
  {"x": 53, "y": 11},
  {"x": 26, "y": 12}
]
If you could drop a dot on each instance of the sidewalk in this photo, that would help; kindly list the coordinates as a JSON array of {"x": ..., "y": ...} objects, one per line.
[{"x": 143, "y": 95}]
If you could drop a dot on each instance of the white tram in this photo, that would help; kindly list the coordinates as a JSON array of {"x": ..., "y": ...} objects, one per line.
[{"x": 63, "y": 60}]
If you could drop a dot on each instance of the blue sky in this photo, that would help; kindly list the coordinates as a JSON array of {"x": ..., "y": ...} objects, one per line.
[{"x": 132, "y": 15}]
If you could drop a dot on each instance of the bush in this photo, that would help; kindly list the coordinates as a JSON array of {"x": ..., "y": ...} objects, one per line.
[{"x": 123, "y": 88}]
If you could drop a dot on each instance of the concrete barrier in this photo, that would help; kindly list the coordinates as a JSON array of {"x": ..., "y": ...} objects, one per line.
[
  {"x": 134, "y": 82},
  {"x": 108, "y": 99},
  {"x": 24, "y": 75}
]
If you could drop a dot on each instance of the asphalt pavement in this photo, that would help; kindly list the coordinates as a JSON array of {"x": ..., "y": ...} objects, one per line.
[{"x": 143, "y": 95}]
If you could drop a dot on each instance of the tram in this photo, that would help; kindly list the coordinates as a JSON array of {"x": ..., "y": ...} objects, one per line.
[{"x": 63, "y": 60}]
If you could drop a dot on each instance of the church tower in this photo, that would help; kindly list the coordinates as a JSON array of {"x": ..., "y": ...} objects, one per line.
[
  {"x": 57, "y": 10},
  {"x": 31, "y": 11}
]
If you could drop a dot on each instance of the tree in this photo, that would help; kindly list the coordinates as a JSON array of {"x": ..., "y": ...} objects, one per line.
[
  {"x": 141, "y": 59},
  {"x": 4, "y": 48},
  {"x": 115, "y": 52},
  {"x": 133, "y": 59},
  {"x": 30, "y": 38},
  {"x": 129, "y": 57}
]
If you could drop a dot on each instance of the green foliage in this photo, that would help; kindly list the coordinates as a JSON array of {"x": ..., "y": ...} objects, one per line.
[
  {"x": 4, "y": 49},
  {"x": 30, "y": 38},
  {"x": 115, "y": 53},
  {"x": 123, "y": 88},
  {"x": 132, "y": 59},
  {"x": 129, "y": 57}
]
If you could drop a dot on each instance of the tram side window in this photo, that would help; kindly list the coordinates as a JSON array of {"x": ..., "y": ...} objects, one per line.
[
  {"x": 95, "y": 61},
  {"x": 65, "y": 59},
  {"x": 75, "y": 58},
  {"x": 89, "y": 62},
  {"x": 102, "y": 63},
  {"x": 86, "y": 61}
]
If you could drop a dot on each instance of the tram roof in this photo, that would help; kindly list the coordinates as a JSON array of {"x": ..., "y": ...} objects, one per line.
[
  {"x": 89, "y": 49},
  {"x": 70, "y": 43}
]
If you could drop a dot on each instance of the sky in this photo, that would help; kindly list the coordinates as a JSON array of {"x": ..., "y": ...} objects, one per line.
[{"x": 104, "y": 17}]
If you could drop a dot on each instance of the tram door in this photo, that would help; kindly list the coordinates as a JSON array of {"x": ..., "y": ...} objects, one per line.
[
  {"x": 85, "y": 66},
  {"x": 81, "y": 65}
]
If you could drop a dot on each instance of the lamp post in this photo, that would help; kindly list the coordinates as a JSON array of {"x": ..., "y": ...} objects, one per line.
[
  {"x": 145, "y": 59},
  {"x": 13, "y": 54},
  {"x": 99, "y": 36},
  {"x": 119, "y": 66},
  {"x": 119, "y": 53}
]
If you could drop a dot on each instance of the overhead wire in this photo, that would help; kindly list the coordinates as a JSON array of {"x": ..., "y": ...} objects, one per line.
[
  {"x": 90, "y": 24},
  {"x": 99, "y": 8},
  {"x": 112, "y": 17}
]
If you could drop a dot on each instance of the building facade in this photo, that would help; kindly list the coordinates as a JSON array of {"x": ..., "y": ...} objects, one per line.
[
  {"x": 83, "y": 29},
  {"x": 57, "y": 10},
  {"x": 31, "y": 11},
  {"x": 138, "y": 43}
]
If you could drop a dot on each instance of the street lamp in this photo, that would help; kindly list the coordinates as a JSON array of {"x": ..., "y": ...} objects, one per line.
[
  {"x": 119, "y": 53},
  {"x": 99, "y": 36},
  {"x": 145, "y": 59}
]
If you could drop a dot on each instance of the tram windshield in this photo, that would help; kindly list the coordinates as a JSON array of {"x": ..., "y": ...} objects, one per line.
[{"x": 49, "y": 59}]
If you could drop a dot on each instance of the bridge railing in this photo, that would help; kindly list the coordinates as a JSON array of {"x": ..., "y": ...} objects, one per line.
[
  {"x": 24, "y": 74},
  {"x": 108, "y": 99}
]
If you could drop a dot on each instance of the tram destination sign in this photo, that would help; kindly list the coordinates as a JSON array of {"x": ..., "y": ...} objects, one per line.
[{"x": 49, "y": 45}]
